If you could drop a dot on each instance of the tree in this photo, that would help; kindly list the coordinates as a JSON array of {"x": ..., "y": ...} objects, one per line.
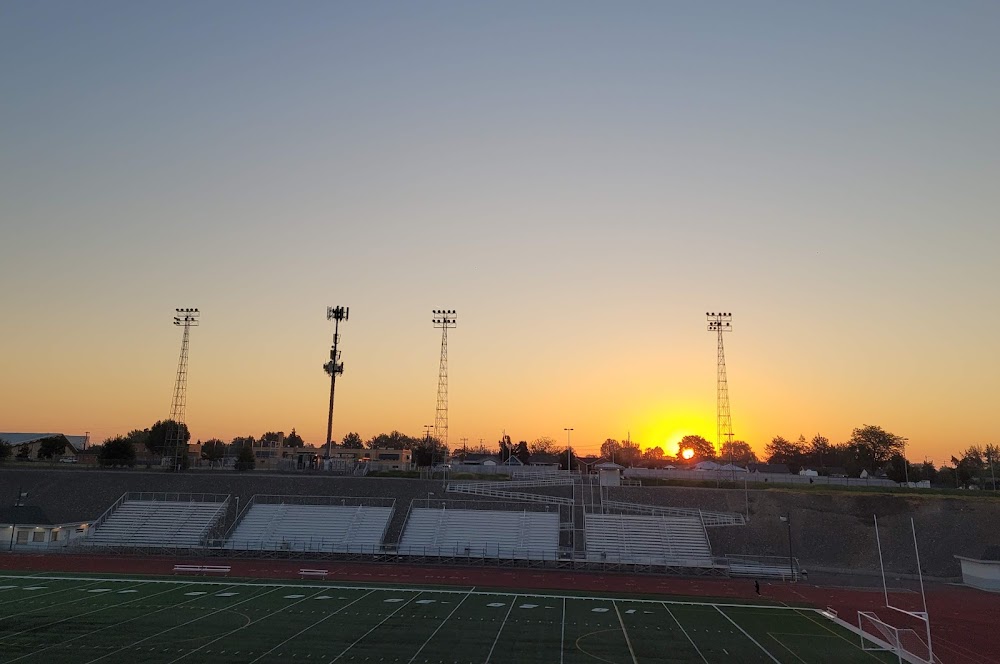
[
  {"x": 393, "y": 441},
  {"x": 609, "y": 449},
  {"x": 703, "y": 450},
  {"x": 737, "y": 452},
  {"x": 874, "y": 446},
  {"x": 629, "y": 453},
  {"x": 138, "y": 437},
  {"x": 117, "y": 451},
  {"x": 506, "y": 448},
  {"x": 971, "y": 466},
  {"x": 653, "y": 457},
  {"x": 5, "y": 450},
  {"x": 567, "y": 459},
  {"x": 213, "y": 451},
  {"x": 294, "y": 440},
  {"x": 819, "y": 451},
  {"x": 352, "y": 441},
  {"x": 50, "y": 447},
  {"x": 164, "y": 433},
  {"x": 245, "y": 460},
  {"x": 543, "y": 445},
  {"x": 781, "y": 450},
  {"x": 522, "y": 453},
  {"x": 991, "y": 454},
  {"x": 898, "y": 470}
]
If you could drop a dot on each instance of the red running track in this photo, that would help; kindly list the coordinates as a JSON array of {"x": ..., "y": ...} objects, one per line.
[{"x": 964, "y": 621}]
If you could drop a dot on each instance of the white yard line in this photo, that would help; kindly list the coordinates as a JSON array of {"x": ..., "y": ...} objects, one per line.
[
  {"x": 746, "y": 634},
  {"x": 415, "y": 587},
  {"x": 86, "y": 613},
  {"x": 780, "y": 643},
  {"x": 805, "y": 613},
  {"x": 252, "y": 622},
  {"x": 628, "y": 641},
  {"x": 184, "y": 624},
  {"x": 112, "y": 626},
  {"x": 34, "y": 595},
  {"x": 382, "y": 622},
  {"x": 562, "y": 635},
  {"x": 467, "y": 595},
  {"x": 61, "y": 604},
  {"x": 306, "y": 629},
  {"x": 500, "y": 631},
  {"x": 693, "y": 644}
]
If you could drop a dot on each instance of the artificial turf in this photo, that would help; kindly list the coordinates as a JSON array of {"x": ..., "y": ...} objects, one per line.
[{"x": 124, "y": 620}]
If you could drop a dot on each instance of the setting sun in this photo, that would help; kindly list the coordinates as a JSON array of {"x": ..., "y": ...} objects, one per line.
[{"x": 687, "y": 453}]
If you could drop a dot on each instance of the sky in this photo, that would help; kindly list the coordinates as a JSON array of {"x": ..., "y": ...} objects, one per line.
[{"x": 581, "y": 181}]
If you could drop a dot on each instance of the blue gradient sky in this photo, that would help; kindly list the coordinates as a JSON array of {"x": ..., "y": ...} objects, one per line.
[{"x": 582, "y": 181}]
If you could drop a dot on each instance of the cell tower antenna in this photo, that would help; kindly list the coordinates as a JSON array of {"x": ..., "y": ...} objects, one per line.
[
  {"x": 719, "y": 323},
  {"x": 186, "y": 318},
  {"x": 334, "y": 367},
  {"x": 444, "y": 319}
]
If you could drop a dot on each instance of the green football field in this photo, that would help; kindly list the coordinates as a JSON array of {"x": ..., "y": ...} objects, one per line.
[{"x": 56, "y": 619}]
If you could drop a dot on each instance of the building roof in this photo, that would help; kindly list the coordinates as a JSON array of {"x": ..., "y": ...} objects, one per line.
[
  {"x": 25, "y": 515},
  {"x": 16, "y": 439}
]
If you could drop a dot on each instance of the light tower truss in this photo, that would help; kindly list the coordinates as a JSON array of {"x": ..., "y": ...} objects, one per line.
[
  {"x": 444, "y": 319},
  {"x": 334, "y": 367},
  {"x": 720, "y": 323},
  {"x": 186, "y": 318}
]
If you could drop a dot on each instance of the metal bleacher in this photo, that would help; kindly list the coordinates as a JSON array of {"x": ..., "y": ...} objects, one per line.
[
  {"x": 501, "y": 534},
  {"x": 274, "y": 525},
  {"x": 158, "y": 520},
  {"x": 674, "y": 541}
]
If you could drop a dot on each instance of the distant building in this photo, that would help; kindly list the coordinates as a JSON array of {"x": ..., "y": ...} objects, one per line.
[{"x": 27, "y": 445}]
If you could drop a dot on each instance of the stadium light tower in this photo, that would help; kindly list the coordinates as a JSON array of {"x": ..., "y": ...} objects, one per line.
[
  {"x": 719, "y": 323},
  {"x": 444, "y": 319},
  {"x": 186, "y": 318},
  {"x": 334, "y": 367}
]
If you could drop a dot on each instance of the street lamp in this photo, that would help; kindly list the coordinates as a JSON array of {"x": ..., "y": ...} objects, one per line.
[
  {"x": 18, "y": 502},
  {"x": 787, "y": 519},
  {"x": 569, "y": 462}
]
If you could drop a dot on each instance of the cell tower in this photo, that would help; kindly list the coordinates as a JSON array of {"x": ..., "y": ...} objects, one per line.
[
  {"x": 334, "y": 367},
  {"x": 719, "y": 323},
  {"x": 443, "y": 319},
  {"x": 186, "y": 318}
]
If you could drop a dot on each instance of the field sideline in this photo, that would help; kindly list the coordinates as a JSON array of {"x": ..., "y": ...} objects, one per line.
[{"x": 62, "y": 618}]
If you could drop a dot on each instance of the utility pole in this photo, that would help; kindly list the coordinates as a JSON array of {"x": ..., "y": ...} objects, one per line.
[
  {"x": 569, "y": 457},
  {"x": 334, "y": 368}
]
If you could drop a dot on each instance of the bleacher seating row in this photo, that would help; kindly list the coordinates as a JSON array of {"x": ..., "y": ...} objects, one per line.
[
  {"x": 293, "y": 527},
  {"x": 481, "y": 533},
  {"x": 157, "y": 523},
  {"x": 640, "y": 539}
]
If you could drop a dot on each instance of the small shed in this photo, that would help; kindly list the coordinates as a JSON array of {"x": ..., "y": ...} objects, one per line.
[{"x": 610, "y": 473}]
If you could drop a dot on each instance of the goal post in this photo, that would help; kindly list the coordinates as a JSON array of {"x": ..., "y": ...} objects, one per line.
[{"x": 905, "y": 643}]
